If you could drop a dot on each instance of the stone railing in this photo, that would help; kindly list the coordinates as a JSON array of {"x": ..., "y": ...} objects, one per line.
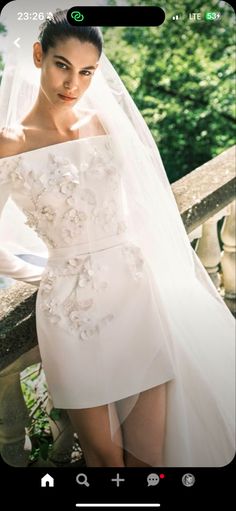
[{"x": 204, "y": 197}]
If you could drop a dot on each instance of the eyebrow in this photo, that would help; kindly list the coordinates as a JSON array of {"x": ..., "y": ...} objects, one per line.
[{"x": 68, "y": 62}]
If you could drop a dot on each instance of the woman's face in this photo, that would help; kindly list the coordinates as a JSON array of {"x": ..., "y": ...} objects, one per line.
[{"x": 66, "y": 70}]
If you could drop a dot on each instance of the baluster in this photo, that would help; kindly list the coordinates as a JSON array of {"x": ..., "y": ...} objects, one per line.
[
  {"x": 208, "y": 249},
  {"x": 14, "y": 415},
  {"x": 228, "y": 256}
]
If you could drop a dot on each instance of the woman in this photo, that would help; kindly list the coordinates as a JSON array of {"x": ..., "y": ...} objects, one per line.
[{"x": 133, "y": 352}]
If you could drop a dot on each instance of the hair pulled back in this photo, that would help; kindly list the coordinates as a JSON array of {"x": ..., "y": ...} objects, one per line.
[{"x": 58, "y": 28}]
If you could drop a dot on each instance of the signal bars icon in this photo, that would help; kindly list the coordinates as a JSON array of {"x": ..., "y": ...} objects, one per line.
[{"x": 176, "y": 17}]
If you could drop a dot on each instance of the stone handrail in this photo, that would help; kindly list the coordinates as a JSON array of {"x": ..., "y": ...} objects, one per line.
[
  {"x": 203, "y": 197},
  {"x": 206, "y": 190}
]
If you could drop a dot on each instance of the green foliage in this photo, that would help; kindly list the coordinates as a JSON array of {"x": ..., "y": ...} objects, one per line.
[
  {"x": 55, "y": 414},
  {"x": 35, "y": 395},
  {"x": 2, "y": 29},
  {"x": 38, "y": 433},
  {"x": 181, "y": 76},
  {"x": 2, "y": 33}
]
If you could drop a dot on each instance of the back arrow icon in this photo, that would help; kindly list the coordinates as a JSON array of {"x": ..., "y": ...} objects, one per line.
[{"x": 16, "y": 42}]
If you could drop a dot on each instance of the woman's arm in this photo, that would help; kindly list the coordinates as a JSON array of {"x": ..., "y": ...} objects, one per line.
[{"x": 11, "y": 265}]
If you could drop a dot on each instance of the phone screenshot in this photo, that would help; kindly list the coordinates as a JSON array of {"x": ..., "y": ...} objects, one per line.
[{"x": 117, "y": 254}]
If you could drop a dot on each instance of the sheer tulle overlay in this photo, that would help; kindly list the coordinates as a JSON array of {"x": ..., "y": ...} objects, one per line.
[{"x": 106, "y": 332}]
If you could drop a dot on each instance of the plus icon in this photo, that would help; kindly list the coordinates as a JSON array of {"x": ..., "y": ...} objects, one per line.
[{"x": 117, "y": 479}]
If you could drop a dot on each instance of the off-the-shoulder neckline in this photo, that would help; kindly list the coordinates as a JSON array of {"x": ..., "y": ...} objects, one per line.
[{"x": 107, "y": 135}]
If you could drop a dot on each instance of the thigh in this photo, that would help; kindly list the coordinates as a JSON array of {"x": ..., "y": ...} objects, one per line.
[{"x": 144, "y": 428}]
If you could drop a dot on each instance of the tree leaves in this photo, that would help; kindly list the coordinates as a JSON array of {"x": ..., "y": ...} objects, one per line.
[{"x": 181, "y": 76}]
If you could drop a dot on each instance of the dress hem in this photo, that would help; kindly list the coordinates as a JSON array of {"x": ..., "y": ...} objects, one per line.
[{"x": 78, "y": 407}]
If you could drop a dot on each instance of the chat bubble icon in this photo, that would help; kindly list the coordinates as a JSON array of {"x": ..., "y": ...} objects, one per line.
[{"x": 153, "y": 479}]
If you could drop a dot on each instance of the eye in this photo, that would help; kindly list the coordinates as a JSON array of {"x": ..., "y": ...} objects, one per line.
[
  {"x": 61, "y": 65},
  {"x": 85, "y": 72}
]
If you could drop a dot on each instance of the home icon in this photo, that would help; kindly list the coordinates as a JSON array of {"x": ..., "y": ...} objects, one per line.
[{"x": 47, "y": 480}]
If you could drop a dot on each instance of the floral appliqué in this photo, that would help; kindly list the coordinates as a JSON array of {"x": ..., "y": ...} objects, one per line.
[
  {"x": 73, "y": 222},
  {"x": 106, "y": 215},
  {"x": 75, "y": 307},
  {"x": 135, "y": 260},
  {"x": 101, "y": 167},
  {"x": 65, "y": 201}
]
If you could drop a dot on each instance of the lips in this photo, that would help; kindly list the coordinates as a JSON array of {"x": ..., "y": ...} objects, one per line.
[{"x": 66, "y": 98}]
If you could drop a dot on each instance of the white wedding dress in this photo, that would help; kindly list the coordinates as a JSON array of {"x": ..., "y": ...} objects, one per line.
[{"x": 102, "y": 329}]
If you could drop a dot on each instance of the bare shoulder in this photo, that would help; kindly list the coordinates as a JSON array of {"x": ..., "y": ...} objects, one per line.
[{"x": 11, "y": 141}]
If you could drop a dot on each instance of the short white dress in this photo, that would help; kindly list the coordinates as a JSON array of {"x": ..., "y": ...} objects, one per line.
[{"x": 101, "y": 328}]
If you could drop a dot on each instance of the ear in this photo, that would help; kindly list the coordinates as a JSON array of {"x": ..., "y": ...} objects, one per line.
[{"x": 38, "y": 54}]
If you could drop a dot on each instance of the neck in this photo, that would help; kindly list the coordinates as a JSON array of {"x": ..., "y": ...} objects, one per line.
[{"x": 52, "y": 118}]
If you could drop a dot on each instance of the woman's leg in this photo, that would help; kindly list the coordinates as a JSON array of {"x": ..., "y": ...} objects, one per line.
[
  {"x": 144, "y": 429},
  {"x": 93, "y": 428}
]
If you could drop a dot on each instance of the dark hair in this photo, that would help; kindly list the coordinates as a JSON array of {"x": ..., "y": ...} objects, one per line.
[{"x": 58, "y": 28}]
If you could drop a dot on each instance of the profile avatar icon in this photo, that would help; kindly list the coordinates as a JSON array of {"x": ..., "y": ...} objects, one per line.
[{"x": 188, "y": 479}]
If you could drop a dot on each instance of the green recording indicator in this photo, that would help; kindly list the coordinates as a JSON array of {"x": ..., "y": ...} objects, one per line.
[
  {"x": 212, "y": 16},
  {"x": 77, "y": 16}
]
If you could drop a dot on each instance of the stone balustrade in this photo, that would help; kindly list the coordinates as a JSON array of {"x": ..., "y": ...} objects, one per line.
[{"x": 206, "y": 201}]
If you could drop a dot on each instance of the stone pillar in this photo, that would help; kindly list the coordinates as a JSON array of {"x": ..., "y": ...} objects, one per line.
[
  {"x": 208, "y": 247},
  {"x": 228, "y": 256},
  {"x": 14, "y": 416},
  {"x": 208, "y": 250}
]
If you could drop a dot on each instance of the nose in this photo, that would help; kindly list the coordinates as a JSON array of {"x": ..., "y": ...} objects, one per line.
[{"x": 71, "y": 84}]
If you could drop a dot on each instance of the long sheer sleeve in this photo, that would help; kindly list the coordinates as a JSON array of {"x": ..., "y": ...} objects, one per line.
[{"x": 11, "y": 265}]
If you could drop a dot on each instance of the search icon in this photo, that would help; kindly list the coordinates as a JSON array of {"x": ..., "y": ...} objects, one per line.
[{"x": 82, "y": 479}]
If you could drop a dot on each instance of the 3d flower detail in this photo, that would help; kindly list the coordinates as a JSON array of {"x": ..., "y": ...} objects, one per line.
[
  {"x": 70, "y": 201},
  {"x": 74, "y": 221},
  {"x": 135, "y": 260},
  {"x": 16, "y": 176},
  {"x": 75, "y": 216},
  {"x": 61, "y": 165},
  {"x": 75, "y": 262},
  {"x": 85, "y": 278},
  {"x": 47, "y": 281},
  {"x": 83, "y": 269},
  {"x": 88, "y": 332},
  {"x": 74, "y": 307},
  {"x": 10, "y": 168},
  {"x": 67, "y": 234},
  {"x": 32, "y": 218},
  {"x": 85, "y": 304},
  {"x": 48, "y": 212},
  {"x": 50, "y": 307},
  {"x": 68, "y": 184},
  {"x": 106, "y": 215},
  {"x": 60, "y": 171},
  {"x": 75, "y": 319}
]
